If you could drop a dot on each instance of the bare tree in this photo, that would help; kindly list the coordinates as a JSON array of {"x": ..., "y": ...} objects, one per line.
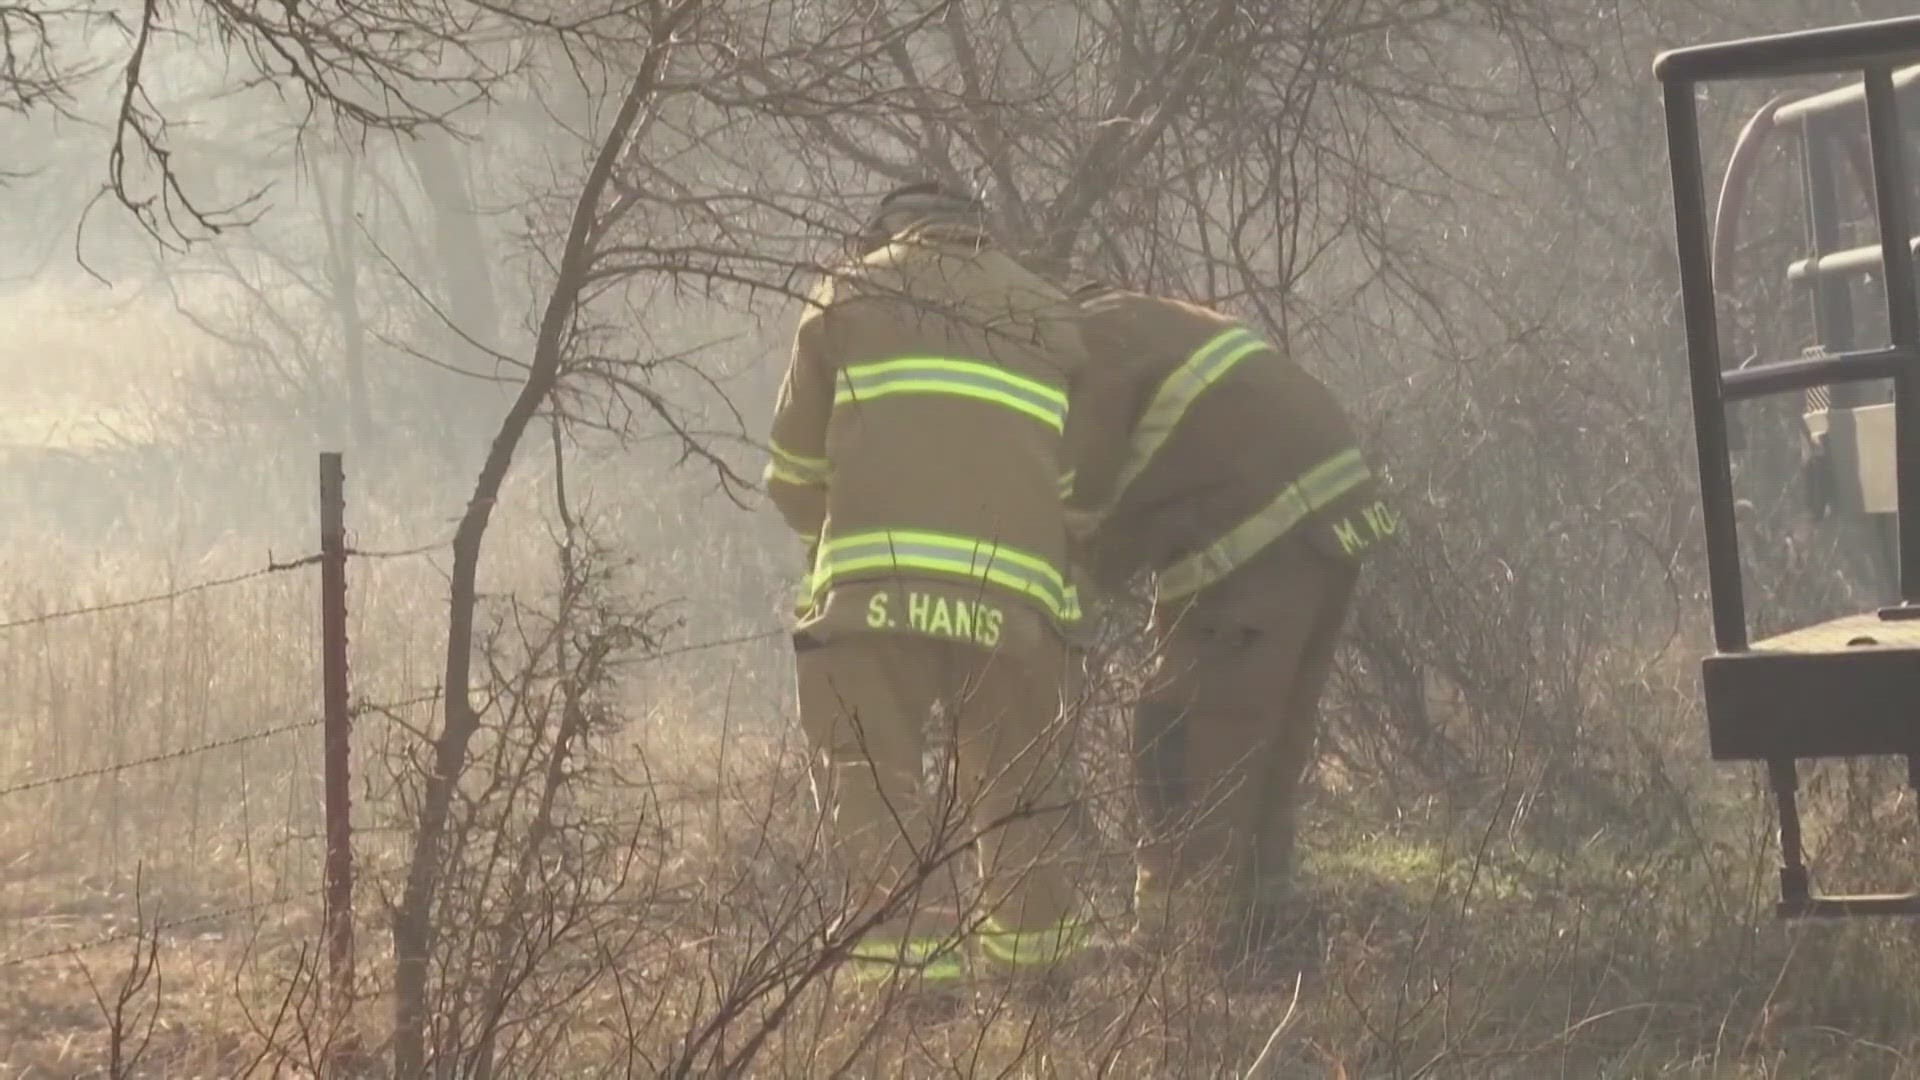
[
  {"x": 413, "y": 926},
  {"x": 606, "y": 243},
  {"x": 1450, "y": 210}
]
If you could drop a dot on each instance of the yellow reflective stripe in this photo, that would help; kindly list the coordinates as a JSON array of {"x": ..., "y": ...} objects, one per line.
[
  {"x": 777, "y": 472},
  {"x": 970, "y": 371},
  {"x": 954, "y": 556},
  {"x": 910, "y": 950},
  {"x": 963, "y": 378},
  {"x": 801, "y": 462},
  {"x": 973, "y": 549},
  {"x": 1066, "y": 484},
  {"x": 875, "y": 959},
  {"x": 1022, "y": 948},
  {"x": 795, "y": 468},
  {"x": 1205, "y": 366},
  {"x": 1320, "y": 485}
]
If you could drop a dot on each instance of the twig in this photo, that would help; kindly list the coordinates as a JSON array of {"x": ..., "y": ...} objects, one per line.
[{"x": 1266, "y": 1066}]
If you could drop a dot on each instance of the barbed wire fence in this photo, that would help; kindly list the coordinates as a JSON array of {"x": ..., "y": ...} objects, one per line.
[{"x": 333, "y": 719}]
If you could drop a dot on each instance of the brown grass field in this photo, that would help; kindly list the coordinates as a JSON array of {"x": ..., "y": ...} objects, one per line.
[{"x": 1449, "y": 938}]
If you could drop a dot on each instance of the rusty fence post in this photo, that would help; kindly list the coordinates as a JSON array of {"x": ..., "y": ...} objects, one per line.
[{"x": 337, "y": 728}]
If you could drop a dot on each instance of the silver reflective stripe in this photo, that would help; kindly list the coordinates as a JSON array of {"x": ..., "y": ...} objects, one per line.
[
  {"x": 1316, "y": 488},
  {"x": 1205, "y": 366},
  {"x": 907, "y": 555},
  {"x": 952, "y": 556},
  {"x": 964, "y": 378},
  {"x": 796, "y": 469}
]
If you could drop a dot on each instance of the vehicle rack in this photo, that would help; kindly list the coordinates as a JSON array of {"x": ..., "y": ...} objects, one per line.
[{"x": 1849, "y": 687}]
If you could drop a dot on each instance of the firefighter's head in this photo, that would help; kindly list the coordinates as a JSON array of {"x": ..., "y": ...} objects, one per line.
[{"x": 919, "y": 205}]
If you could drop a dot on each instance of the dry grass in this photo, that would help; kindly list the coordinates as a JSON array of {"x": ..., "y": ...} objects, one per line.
[
  {"x": 1447, "y": 951},
  {"x": 1456, "y": 938}
]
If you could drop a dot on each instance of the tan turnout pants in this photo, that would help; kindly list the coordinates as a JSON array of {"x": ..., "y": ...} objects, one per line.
[
  {"x": 1223, "y": 738},
  {"x": 865, "y": 703}
]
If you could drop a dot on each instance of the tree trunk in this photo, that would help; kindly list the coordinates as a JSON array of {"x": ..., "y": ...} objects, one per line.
[
  {"x": 413, "y": 929},
  {"x": 467, "y": 290}
]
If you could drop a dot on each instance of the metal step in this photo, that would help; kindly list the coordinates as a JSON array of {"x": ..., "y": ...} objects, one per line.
[
  {"x": 1849, "y": 687},
  {"x": 1814, "y": 906}
]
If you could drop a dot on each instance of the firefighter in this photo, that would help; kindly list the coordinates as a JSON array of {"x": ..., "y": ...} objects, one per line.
[
  {"x": 917, "y": 446},
  {"x": 1234, "y": 476}
]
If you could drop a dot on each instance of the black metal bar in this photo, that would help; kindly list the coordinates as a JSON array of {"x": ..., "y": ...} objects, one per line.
[
  {"x": 1825, "y": 51},
  {"x": 1822, "y": 129},
  {"x": 1842, "y": 907},
  {"x": 1834, "y": 267},
  {"x": 1797, "y": 899},
  {"x": 1795, "y": 884},
  {"x": 1781, "y": 376},
  {"x": 1913, "y": 776},
  {"x": 1832, "y": 306},
  {"x": 1692, "y": 244},
  {"x": 1903, "y": 311},
  {"x": 1826, "y": 123},
  {"x": 1817, "y": 106}
]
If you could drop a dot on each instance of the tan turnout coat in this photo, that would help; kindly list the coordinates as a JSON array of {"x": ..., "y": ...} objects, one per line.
[
  {"x": 1205, "y": 444},
  {"x": 919, "y": 442}
]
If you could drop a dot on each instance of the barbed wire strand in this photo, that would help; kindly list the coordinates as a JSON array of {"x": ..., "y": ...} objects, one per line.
[
  {"x": 154, "y": 928},
  {"x": 273, "y": 567},
  {"x": 399, "y": 553},
  {"x": 373, "y": 708},
  {"x": 170, "y": 755}
]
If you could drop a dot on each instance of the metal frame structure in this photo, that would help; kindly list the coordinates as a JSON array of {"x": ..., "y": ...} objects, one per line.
[
  {"x": 1850, "y": 687},
  {"x": 1850, "y": 425}
]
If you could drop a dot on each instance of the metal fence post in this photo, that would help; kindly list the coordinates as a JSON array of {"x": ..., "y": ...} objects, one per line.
[{"x": 338, "y": 917}]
